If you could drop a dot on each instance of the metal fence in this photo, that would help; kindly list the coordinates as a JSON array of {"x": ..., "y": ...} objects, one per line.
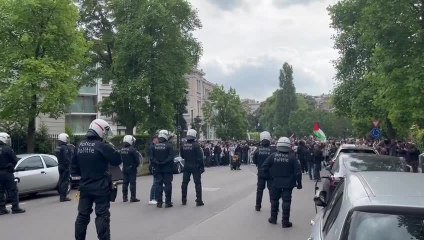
[{"x": 47, "y": 146}]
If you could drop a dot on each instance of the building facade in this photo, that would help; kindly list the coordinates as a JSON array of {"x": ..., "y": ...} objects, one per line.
[
  {"x": 82, "y": 112},
  {"x": 199, "y": 90},
  {"x": 251, "y": 104}
]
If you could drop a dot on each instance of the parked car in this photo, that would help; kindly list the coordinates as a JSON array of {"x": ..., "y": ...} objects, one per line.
[
  {"x": 347, "y": 163},
  {"x": 353, "y": 148},
  {"x": 372, "y": 205},
  {"x": 36, "y": 173}
]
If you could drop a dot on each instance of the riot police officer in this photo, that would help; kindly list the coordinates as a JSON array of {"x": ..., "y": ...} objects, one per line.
[
  {"x": 163, "y": 163},
  {"x": 63, "y": 155},
  {"x": 8, "y": 162},
  {"x": 285, "y": 172},
  {"x": 192, "y": 154},
  {"x": 131, "y": 161},
  {"x": 91, "y": 161},
  {"x": 259, "y": 157}
]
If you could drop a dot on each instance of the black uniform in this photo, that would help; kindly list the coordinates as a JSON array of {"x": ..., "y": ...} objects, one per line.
[
  {"x": 192, "y": 154},
  {"x": 63, "y": 155},
  {"x": 259, "y": 157},
  {"x": 284, "y": 169},
  {"x": 131, "y": 161},
  {"x": 163, "y": 164},
  {"x": 91, "y": 162},
  {"x": 8, "y": 162}
]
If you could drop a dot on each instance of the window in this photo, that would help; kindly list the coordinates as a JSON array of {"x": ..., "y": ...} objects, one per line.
[
  {"x": 380, "y": 226},
  {"x": 84, "y": 104},
  {"x": 333, "y": 208},
  {"x": 31, "y": 163},
  {"x": 79, "y": 123},
  {"x": 50, "y": 162}
]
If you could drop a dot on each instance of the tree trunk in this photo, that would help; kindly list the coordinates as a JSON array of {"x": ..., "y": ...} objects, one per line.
[
  {"x": 31, "y": 125},
  {"x": 391, "y": 132},
  {"x": 31, "y": 135},
  {"x": 129, "y": 130}
]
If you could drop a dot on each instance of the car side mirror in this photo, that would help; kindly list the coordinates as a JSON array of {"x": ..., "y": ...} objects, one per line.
[{"x": 320, "y": 201}]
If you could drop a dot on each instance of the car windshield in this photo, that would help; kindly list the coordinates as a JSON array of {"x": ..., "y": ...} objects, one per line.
[
  {"x": 373, "y": 163},
  {"x": 377, "y": 226}
]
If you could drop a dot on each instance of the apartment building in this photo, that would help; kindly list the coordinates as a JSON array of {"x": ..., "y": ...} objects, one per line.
[{"x": 199, "y": 90}]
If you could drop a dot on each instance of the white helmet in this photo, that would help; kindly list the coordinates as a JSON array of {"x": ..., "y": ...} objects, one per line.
[
  {"x": 163, "y": 134},
  {"x": 284, "y": 144},
  {"x": 265, "y": 136},
  {"x": 5, "y": 138},
  {"x": 101, "y": 127},
  {"x": 191, "y": 134},
  {"x": 63, "y": 137},
  {"x": 129, "y": 139}
]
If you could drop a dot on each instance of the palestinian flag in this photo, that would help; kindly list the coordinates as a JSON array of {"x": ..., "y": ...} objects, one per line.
[{"x": 319, "y": 133}]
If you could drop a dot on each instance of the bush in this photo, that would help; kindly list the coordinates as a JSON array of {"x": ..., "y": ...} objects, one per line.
[{"x": 43, "y": 143}]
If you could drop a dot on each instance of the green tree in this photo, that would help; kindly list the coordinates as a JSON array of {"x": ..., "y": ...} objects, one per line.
[
  {"x": 42, "y": 54},
  {"x": 154, "y": 50},
  {"x": 286, "y": 101},
  {"x": 96, "y": 19},
  {"x": 379, "y": 72},
  {"x": 225, "y": 112}
]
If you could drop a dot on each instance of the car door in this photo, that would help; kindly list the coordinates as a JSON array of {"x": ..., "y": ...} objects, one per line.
[
  {"x": 31, "y": 174},
  {"x": 52, "y": 172}
]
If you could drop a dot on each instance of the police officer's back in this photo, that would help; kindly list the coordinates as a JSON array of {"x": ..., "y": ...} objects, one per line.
[
  {"x": 91, "y": 162},
  {"x": 63, "y": 155},
  {"x": 285, "y": 171},
  {"x": 130, "y": 162},
  {"x": 192, "y": 154},
  {"x": 163, "y": 164},
  {"x": 259, "y": 156},
  {"x": 8, "y": 162}
]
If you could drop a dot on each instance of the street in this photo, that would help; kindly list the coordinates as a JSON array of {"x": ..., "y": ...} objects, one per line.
[{"x": 228, "y": 214}]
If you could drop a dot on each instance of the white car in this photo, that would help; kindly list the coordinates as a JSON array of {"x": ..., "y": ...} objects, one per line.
[{"x": 36, "y": 173}]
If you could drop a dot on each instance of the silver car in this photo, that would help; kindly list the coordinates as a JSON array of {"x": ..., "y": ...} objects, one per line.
[
  {"x": 36, "y": 173},
  {"x": 373, "y": 205}
]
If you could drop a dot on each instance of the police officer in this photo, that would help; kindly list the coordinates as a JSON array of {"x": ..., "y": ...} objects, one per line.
[
  {"x": 131, "y": 161},
  {"x": 91, "y": 161},
  {"x": 259, "y": 157},
  {"x": 192, "y": 154},
  {"x": 63, "y": 155},
  {"x": 8, "y": 162},
  {"x": 285, "y": 172},
  {"x": 163, "y": 163}
]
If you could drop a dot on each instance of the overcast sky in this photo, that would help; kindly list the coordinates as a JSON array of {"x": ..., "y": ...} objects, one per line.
[{"x": 246, "y": 42}]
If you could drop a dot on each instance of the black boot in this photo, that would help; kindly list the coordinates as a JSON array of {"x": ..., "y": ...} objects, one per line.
[
  {"x": 258, "y": 208},
  {"x": 134, "y": 200},
  {"x": 169, "y": 205},
  {"x": 65, "y": 199},
  {"x": 199, "y": 203},
  {"x": 125, "y": 198},
  {"x": 4, "y": 211},
  {"x": 184, "y": 202},
  {"x": 17, "y": 210},
  {"x": 159, "y": 205},
  {"x": 272, "y": 220},
  {"x": 287, "y": 224}
]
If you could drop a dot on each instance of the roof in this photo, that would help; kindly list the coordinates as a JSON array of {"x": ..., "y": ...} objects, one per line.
[
  {"x": 387, "y": 189},
  {"x": 30, "y": 154},
  {"x": 354, "y": 146}
]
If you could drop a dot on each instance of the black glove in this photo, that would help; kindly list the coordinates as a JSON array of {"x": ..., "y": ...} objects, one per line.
[{"x": 299, "y": 186}]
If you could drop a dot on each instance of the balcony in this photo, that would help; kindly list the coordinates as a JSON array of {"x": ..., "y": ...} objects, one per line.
[
  {"x": 84, "y": 105},
  {"x": 88, "y": 90}
]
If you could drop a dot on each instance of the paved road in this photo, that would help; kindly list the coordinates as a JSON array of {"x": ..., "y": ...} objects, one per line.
[{"x": 228, "y": 214}]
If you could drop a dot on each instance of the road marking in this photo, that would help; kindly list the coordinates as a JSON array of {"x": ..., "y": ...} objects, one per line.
[{"x": 206, "y": 189}]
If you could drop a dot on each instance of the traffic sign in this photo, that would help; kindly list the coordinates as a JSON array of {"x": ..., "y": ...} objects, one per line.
[{"x": 376, "y": 133}]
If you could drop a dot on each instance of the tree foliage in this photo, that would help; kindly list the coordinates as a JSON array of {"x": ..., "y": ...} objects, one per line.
[
  {"x": 379, "y": 72},
  {"x": 154, "y": 50},
  {"x": 42, "y": 55},
  {"x": 286, "y": 102},
  {"x": 225, "y": 112}
]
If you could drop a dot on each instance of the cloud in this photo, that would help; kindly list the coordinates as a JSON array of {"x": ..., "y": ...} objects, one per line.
[
  {"x": 246, "y": 45},
  {"x": 285, "y": 3},
  {"x": 226, "y": 4}
]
